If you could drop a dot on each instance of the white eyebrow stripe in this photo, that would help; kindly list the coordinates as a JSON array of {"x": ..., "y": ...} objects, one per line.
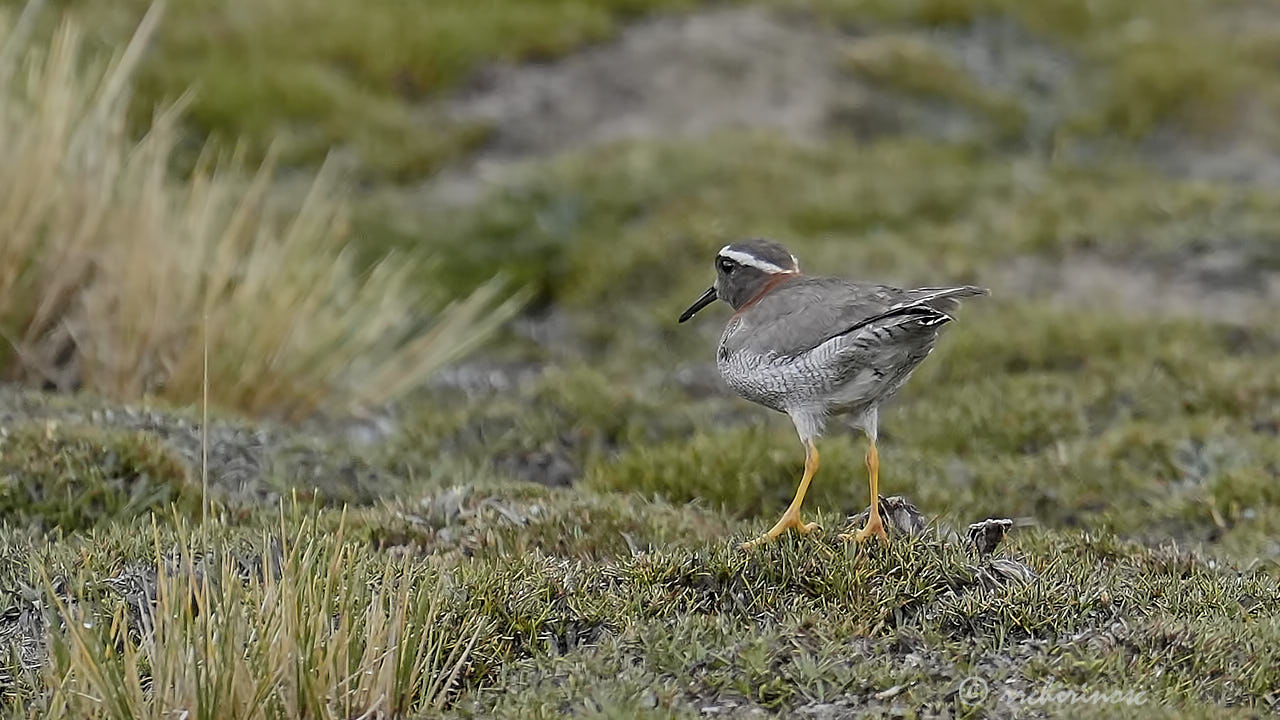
[{"x": 750, "y": 260}]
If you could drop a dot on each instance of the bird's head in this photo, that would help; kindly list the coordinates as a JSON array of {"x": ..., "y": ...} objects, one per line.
[{"x": 743, "y": 270}]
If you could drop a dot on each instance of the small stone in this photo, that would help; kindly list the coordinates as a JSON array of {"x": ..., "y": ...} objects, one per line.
[
  {"x": 891, "y": 692},
  {"x": 900, "y": 516},
  {"x": 986, "y": 535},
  {"x": 1003, "y": 571},
  {"x": 648, "y": 699}
]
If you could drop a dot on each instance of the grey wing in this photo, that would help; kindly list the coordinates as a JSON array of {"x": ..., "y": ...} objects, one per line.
[
  {"x": 811, "y": 311},
  {"x": 921, "y": 309},
  {"x": 871, "y": 359}
]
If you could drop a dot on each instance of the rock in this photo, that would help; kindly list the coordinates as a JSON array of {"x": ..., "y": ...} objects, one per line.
[
  {"x": 985, "y": 535},
  {"x": 899, "y": 515}
]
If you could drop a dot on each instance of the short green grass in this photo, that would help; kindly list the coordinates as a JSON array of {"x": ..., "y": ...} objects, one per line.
[
  {"x": 1145, "y": 64},
  {"x": 306, "y": 76},
  {"x": 673, "y": 625},
  {"x": 74, "y": 477},
  {"x": 911, "y": 65}
]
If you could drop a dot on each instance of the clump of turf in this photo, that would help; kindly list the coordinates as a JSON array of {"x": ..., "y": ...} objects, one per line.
[{"x": 76, "y": 477}]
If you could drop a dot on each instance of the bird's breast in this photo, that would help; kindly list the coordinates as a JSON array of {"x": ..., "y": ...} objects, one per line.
[{"x": 760, "y": 378}]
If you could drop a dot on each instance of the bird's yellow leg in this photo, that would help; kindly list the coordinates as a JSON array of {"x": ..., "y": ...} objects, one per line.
[
  {"x": 874, "y": 524},
  {"x": 790, "y": 519}
]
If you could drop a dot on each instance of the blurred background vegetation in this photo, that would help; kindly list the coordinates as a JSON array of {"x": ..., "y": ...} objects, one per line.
[{"x": 434, "y": 252}]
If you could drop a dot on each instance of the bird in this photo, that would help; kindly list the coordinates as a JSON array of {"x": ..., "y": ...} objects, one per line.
[{"x": 814, "y": 347}]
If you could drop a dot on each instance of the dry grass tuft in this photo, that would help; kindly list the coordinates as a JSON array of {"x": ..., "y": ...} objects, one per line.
[
  {"x": 316, "y": 627},
  {"x": 109, "y": 265}
]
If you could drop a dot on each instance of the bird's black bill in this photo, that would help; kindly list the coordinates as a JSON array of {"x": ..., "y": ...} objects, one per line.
[{"x": 707, "y": 298}]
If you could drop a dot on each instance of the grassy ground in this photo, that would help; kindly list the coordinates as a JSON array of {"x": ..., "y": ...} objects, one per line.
[
  {"x": 309, "y": 76},
  {"x": 562, "y": 511}
]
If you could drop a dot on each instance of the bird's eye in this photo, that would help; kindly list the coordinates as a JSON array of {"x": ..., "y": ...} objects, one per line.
[{"x": 727, "y": 265}]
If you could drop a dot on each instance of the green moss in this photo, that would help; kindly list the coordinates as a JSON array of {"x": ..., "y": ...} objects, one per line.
[
  {"x": 1067, "y": 20},
  {"x": 307, "y": 76},
  {"x": 1141, "y": 65},
  {"x": 587, "y": 229},
  {"x": 786, "y": 627},
  {"x": 1159, "y": 80},
  {"x": 75, "y": 477},
  {"x": 748, "y": 472},
  {"x": 510, "y": 520},
  {"x": 910, "y": 65},
  {"x": 600, "y": 224},
  {"x": 673, "y": 618}
]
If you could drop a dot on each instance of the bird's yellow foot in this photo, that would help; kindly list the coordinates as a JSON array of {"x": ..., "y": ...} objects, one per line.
[
  {"x": 789, "y": 521},
  {"x": 874, "y": 527}
]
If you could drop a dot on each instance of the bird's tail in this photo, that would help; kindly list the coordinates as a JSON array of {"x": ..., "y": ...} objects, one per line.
[{"x": 944, "y": 299}]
